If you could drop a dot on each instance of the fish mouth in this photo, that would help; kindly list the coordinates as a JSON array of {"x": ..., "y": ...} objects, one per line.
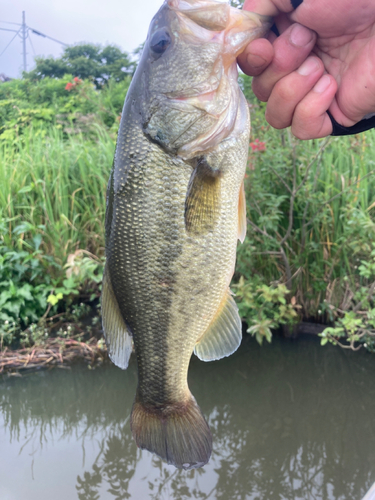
[
  {"x": 215, "y": 21},
  {"x": 211, "y": 15},
  {"x": 210, "y": 107},
  {"x": 212, "y": 21}
]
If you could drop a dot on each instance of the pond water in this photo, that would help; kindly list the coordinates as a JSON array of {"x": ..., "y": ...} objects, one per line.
[{"x": 290, "y": 420}]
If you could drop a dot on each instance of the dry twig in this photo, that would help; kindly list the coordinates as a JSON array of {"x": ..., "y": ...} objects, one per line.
[{"x": 56, "y": 351}]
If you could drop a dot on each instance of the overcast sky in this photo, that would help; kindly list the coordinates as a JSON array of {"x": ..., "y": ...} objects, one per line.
[{"x": 121, "y": 22}]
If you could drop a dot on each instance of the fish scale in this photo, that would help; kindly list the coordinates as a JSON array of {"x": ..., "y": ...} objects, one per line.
[{"x": 174, "y": 212}]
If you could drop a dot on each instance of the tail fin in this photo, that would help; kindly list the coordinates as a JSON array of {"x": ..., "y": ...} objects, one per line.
[{"x": 177, "y": 433}]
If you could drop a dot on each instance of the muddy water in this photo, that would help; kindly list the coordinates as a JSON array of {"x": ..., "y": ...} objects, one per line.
[{"x": 290, "y": 420}]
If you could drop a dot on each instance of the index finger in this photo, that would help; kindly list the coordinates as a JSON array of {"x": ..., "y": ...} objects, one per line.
[{"x": 259, "y": 53}]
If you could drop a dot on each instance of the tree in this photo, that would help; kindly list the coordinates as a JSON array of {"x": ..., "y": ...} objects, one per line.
[{"x": 86, "y": 60}]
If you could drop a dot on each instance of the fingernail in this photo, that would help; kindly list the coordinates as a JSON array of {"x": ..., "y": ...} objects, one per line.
[
  {"x": 256, "y": 61},
  {"x": 308, "y": 67},
  {"x": 322, "y": 84},
  {"x": 300, "y": 36}
]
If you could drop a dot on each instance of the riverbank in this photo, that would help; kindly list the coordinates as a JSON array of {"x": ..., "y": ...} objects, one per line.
[
  {"x": 68, "y": 340},
  {"x": 91, "y": 349},
  {"x": 55, "y": 352}
]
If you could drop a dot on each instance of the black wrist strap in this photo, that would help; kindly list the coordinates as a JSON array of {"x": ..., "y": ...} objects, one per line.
[
  {"x": 361, "y": 126},
  {"x": 296, "y": 3}
]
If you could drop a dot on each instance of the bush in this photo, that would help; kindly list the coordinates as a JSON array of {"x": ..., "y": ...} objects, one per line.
[
  {"x": 70, "y": 104},
  {"x": 311, "y": 224}
]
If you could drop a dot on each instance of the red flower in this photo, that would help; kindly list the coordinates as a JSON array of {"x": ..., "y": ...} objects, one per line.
[
  {"x": 258, "y": 145},
  {"x": 69, "y": 86},
  {"x": 77, "y": 80}
]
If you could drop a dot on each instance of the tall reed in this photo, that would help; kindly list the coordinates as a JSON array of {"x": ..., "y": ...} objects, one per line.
[{"x": 55, "y": 186}]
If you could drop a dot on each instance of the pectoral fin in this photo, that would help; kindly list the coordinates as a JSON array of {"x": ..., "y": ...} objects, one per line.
[
  {"x": 242, "y": 223},
  {"x": 202, "y": 200},
  {"x": 116, "y": 332},
  {"x": 224, "y": 335}
]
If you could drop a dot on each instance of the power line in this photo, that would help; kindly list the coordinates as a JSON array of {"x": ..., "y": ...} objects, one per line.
[
  {"x": 10, "y": 42},
  {"x": 5, "y": 29},
  {"x": 46, "y": 36},
  {"x": 7, "y": 22},
  {"x": 25, "y": 33}
]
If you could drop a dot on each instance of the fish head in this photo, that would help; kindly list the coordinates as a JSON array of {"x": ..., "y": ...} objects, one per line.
[{"x": 187, "y": 76}]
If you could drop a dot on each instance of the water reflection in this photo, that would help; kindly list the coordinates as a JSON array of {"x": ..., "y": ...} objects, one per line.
[{"x": 289, "y": 421}]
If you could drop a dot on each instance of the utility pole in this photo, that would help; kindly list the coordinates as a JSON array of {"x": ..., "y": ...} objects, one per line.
[
  {"x": 24, "y": 32},
  {"x": 24, "y": 40}
]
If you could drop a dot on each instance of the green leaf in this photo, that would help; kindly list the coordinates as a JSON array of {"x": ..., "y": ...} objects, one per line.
[
  {"x": 25, "y": 292},
  {"x": 70, "y": 283},
  {"x": 26, "y": 189},
  {"x": 37, "y": 241},
  {"x": 53, "y": 299}
]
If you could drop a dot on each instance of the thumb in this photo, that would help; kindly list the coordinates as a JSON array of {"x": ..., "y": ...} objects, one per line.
[{"x": 259, "y": 53}]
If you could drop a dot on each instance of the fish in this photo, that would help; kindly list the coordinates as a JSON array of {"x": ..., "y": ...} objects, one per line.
[{"x": 175, "y": 209}]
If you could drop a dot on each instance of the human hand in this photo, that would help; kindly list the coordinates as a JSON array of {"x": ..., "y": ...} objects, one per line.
[{"x": 324, "y": 62}]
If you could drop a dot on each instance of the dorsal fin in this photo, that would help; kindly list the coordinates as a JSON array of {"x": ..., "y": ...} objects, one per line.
[
  {"x": 224, "y": 334},
  {"x": 202, "y": 202},
  {"x": 242, "y": 223},
  {"x": 116, "y": 333}
]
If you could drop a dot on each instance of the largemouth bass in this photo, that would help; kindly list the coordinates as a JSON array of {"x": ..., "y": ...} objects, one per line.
[{"x": 175, "y": 209}]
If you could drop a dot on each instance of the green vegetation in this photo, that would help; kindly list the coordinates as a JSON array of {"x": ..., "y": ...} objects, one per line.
[
  {"x": 85, "y": 60},
  {"x": 237, "y": 3},
  {"x": 311, "y": 227},
  {"x": 51, "y": 223},
  {"x": 69, "y": 105},
  {"x": 56, "y": 149},
  {"x": 308, "y": 254}
]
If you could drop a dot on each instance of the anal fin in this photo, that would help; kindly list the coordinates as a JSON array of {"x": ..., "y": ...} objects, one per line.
[
  {"x": 224, "y": 334},
  {"x": 116, "y": 333}
]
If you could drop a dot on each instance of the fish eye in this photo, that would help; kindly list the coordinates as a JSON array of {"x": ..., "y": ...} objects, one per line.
[{"x": 160, "y": 41}]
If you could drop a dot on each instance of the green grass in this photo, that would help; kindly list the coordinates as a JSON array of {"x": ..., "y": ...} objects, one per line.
[
  {"x": 52, "y": 206},
  {"x": 56, "y": 187}
]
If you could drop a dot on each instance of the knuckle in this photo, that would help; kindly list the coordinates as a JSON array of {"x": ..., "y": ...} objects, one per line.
[
  {"x": 260, "y": 90},
  {"x": 285, "y": 91},
  {"x": 277, "y": 120},
  {"x": 302, "y": 134},
  {"x": 275, "y": 123},
  {"x": 306, "y": 127}
]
